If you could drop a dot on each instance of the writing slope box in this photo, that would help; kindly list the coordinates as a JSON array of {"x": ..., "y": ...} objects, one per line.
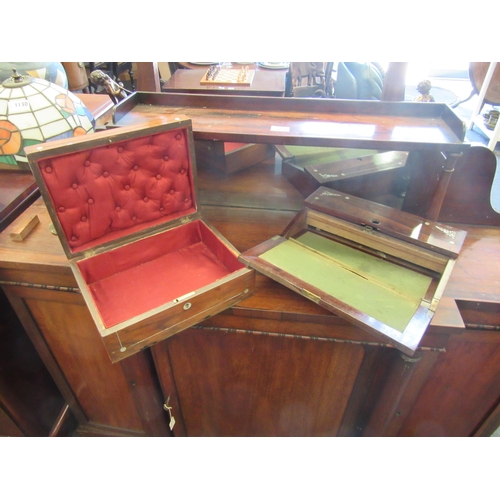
[
  {"x": 381, "y": 269},
  {"x": 125, "y": 208}
]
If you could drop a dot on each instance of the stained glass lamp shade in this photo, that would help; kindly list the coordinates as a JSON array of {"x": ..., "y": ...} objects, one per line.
[{"x": 32, "y": 111}]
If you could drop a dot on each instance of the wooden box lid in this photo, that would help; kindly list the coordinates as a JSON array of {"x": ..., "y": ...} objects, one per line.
[
  {"x": 115, "y": 186},
  {"x": 440, "y": 238}
]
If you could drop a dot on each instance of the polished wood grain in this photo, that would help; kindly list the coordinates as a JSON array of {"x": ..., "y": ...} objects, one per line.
[
  {"x": 423, "y": 233},
  {"x": 232, "y": 157},
  {"x": 290, "y": 357},
  {"x": 18, "y": 190},
  {"x": 468, "y": 197},
  {"x": 402, "y": 126},
  {"x": 237, "y": 393},
  {"x": 100, "y": 106},
  {"x": 472, "y": 394}
]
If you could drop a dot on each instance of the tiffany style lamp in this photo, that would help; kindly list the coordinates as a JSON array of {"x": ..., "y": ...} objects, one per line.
[{"x": 33, "y": 110}]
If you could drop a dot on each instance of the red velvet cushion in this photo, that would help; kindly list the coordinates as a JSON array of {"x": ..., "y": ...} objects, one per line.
[
  {"x": 112, "y": 191},
  {"x": 136, "y": 278}
]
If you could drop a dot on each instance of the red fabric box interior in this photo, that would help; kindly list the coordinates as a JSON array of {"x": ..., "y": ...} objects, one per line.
[{"x": 131, "y": 191}]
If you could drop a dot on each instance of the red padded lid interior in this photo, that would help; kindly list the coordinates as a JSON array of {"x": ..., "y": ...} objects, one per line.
[{"x": 109, "y": 192}]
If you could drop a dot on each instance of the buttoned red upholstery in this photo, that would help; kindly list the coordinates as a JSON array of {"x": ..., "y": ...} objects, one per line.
[
  {"x": 108, "y": 192},
  {"x": 116, "y": 190}
]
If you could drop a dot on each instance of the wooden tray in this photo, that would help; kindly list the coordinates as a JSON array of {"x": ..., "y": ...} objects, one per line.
[{"x": 401, "y": 126}]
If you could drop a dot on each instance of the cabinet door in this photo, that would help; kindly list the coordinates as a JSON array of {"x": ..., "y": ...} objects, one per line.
[
  {"x": 29, "y": 399},
  {"x": 240, "y": 384},
  {"x": 96, "y": 389}
]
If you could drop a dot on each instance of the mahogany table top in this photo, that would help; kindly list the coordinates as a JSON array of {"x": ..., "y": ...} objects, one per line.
[{"x": 264, "y": 83}]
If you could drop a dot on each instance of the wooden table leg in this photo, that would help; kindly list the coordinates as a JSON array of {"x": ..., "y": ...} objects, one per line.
[
  {"x": 405, "y": 378},
  {"x": 442, "y": 186}
]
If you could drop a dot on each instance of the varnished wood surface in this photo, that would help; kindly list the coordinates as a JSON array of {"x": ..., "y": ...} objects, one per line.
[
  {"x": 468, "y": 197},
  {"x": 238, "y": 392},
  {"x": 442, "y": 238},
  {"x": 402, "y": 126},
  {"x": 100, "y": 105},
  {"x": 261, "y": 212},
  {"x": 17, "y": 190},
  {"x": 264, "y": 83},
  {"x": 274, "y": 364}
]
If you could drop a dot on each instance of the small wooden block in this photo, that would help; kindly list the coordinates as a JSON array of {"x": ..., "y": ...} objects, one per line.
[{"x": 23, "y": 227}]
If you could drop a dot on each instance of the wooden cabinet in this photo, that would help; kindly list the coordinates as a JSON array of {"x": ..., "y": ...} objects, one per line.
[{"x": 276, "y": 364}]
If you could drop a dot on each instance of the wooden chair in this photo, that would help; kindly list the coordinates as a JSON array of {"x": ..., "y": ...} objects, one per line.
[
  {"x": 309, "y": 79},
  {"x": 373, "y": 175}
]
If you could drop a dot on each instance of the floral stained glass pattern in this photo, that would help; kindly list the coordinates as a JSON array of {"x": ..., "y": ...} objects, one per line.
[{"x": 37, "y": 112}]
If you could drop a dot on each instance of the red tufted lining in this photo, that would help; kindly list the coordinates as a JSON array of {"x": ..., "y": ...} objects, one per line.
[
  {"x": 135, "y": 278},
  {"x": 112, "y": 191}
]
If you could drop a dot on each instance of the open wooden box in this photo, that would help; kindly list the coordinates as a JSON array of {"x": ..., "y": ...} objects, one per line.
[
  {"x": 124, "y": 206},
  {"x": 382, "y": 269}
]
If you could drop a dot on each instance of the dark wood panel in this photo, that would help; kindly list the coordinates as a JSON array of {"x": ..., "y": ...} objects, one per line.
[
  {"x": 102, "y": 391},
  {"x": 462, "y": 389},
  {"x": 18, "y": 190},
  {"x": 249, "y": 385},
  {"x": 468, "y": 196},
  {"x": 29, "y": 398}
]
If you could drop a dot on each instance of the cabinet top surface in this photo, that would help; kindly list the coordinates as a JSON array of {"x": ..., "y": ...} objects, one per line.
[{"x": 476, "y": 276}]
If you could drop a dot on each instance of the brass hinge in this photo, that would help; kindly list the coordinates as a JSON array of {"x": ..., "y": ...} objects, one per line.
[{"x": 311, "y": 296}]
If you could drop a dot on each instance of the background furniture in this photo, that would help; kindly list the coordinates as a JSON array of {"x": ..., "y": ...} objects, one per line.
[
  {"x": 376, "y": 125},
  {"x": 264, "y": 83},
  {"x": 113, "y": 69},
  {"x": 359, "y": 80},
  {"x": 490, "y": 92},
  {"x": 77, "y": 76},
  {"x": 229, "y": 157}
]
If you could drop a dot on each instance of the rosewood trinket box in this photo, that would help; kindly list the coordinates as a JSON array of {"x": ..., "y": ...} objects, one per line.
[
  {"x": 379, "y": 268},
  {"x": 124, "y": 205}
]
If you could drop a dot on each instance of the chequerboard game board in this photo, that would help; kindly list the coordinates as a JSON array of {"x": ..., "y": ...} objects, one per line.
[{"x": 223, "y": 76}]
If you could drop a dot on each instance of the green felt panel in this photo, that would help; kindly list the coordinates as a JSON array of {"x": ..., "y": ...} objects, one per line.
[
  {"x": 385, "y": 291},
  {"x": 305, "y": 156}
]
